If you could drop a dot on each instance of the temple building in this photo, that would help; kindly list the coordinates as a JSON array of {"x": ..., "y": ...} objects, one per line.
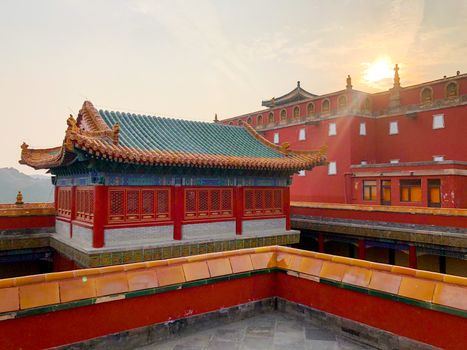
[{"x": 135, "y": 180}]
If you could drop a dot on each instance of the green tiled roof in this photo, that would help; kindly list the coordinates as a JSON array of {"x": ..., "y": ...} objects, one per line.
[{"x": 164, "y": 134}]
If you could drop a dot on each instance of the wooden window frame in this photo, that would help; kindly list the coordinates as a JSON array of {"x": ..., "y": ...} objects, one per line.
[
  {"x": 210, "y": 213},
  {"x": 410, "y": 187},
  {"x": 262, "y": 210},
  {"x": 373, "y": 190},
  {"x": 140, "y": 216}
]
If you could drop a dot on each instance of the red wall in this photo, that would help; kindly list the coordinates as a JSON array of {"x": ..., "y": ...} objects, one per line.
[
  {"x": 421, "y": 219},
  {"x": 80, "y": 323},
  {"x": 26, "y": 222},
  {"x": 436, "y": 328}
]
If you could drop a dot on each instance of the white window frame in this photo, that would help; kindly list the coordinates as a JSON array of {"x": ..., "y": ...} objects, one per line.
[
  {"x": 302, "y": 134},
  {"x": 394, "y": 161},
  {"x": 363, "y": 129},
  {"x": 301, "y": 173},
  {"x": 332, "y": 129},
  {"x": 276, "y": 138},
  {"x": 393, "y": 128},
  {"x": 438, "y": 121},
  {"x": 332, "y": 168},
  {"x": 438, "y": 158}
]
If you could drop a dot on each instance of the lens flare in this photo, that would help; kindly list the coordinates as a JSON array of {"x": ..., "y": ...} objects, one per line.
[{"x": 378, "y": 70}]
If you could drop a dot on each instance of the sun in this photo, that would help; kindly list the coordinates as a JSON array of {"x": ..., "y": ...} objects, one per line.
[{"x": 378, "y": 70}]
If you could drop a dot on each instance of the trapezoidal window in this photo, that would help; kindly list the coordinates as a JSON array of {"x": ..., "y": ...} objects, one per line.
[
  {"x": 296, "y": 112},
  {"x": 325, "y": 106},
  {"x": 259, "y": 120},
  {"x": 426, "y": 95},
  {"x": 452, "y": 90},
  {"x": 271, "y": 118},
  {"x": 342, "y": 102},
  {"x": 283, "y": 115},
  {"x": 310, "y": 109},
  {"x": 434, "y": 193}
]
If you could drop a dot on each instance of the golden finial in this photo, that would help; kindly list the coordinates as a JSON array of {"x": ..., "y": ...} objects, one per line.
[
  {"x": 349, "y": 82},
  {"x": 397, "y": 80},
  {"x": 19, "y": 198}
]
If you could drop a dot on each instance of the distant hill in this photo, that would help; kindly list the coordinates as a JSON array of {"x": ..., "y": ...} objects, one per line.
[{"x": 35, "y": 188}]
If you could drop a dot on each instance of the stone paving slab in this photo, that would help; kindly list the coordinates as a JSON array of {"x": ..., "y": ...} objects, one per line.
[{"x": 272, "y": 330}]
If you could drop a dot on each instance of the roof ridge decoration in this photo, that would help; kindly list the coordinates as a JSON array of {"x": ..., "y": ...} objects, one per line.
[
  {"x": 297, "y": 94},
  {"x": 91, "y": 133}
]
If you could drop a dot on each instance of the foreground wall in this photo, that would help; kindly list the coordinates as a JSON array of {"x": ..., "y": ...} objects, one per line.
[{"x": 61, "y": 308}]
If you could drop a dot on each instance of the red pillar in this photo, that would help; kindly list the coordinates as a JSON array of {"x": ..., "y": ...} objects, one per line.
[
  {"x": 238, "y": 207},
  {"x": 73, "y": 209},
  {"x": 100, "y": 216},
  {"x": 178, "y": 207},
  {"x": 321, "y": 242},
  {"x": 412, "y": 257},
  {"x": 56, "y": 197},
  {"x": 287, "y": 207},
  {"x": 361, "y": 249}
]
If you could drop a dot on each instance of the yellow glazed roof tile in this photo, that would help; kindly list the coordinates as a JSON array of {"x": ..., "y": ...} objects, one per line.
[
  {"x": 167, "y": 275},
  {"x": 449, "y": 295},
  {"x": 196, "y": 271},
  {"x": 241, "y": 263},
  {"x": 333, "y": 271},
  {"x": 39, "y": 294},
  {"x": 112, "y": 283},
  {"x": 263, "y": 260},
  {"x": 385, "y": 282},
  {"x": 9, "y": 299},
  {"x": 141, "y": 279},
  {"x": 357, "y": 276},
  {"x": 417, "y": 288},
  {"x": 219, "y": 267},
  {"x": 77, "y": 288}
]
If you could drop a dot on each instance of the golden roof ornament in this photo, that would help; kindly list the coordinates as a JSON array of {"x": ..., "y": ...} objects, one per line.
[
  {"x": 397, "y": 80},
  {"x": 19, "y": 198},
  {"x": 349, "y": 82}
]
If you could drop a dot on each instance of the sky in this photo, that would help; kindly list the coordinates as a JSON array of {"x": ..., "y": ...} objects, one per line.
[{"x": 192, "y": 59}]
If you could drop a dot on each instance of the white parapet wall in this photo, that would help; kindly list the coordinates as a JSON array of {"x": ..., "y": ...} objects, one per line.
[
  {"x": 263, "y": 227},
  {"x": 211, "y": 230},
  {"x": 62, "y": 229},
  {"x": 82, "y": 236},
  {"x": 138, "y": 236}
]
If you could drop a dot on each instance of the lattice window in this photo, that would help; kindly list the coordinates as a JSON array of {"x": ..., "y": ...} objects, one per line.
[
  {"x": 215, "y": 200},
  {"x": 227, "y": 200},
  {"x": 138, "y": 204},
  {"x": 132, "y": 209},
  {"x": 203, "y": 201},
  {"x": 208, "y": 203},
  {"x": 249, "y": 199},
  {"x": 263, "y": 201},
  {"x": 278, "y": 199},
  {"x": 190, "y": 201},
  {"x": 148, "y": 202},
  {"x": 84, "y": 204},
  {"x": 117, "y": 205},
  {"x": 64, "y": 202},
  {"x": 268, "y": 202}
]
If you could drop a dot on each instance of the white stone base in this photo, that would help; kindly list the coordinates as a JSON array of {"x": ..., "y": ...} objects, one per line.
[
  {"x": 62, "y": 229},
  {"x": 137, "y": 236},
  {"x": 212, "y": 230},
  {"x": 82, "y": 236},
  {"x": 263, "y": 227}
]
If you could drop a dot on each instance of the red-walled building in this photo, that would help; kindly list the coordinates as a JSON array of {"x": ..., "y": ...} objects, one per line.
[
  {"x": 127, "y": 180},
  {"x": 403, "y": 147}
]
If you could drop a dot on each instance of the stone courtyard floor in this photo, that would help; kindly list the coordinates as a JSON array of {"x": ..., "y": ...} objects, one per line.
[{"x": 274, "y": 330}]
